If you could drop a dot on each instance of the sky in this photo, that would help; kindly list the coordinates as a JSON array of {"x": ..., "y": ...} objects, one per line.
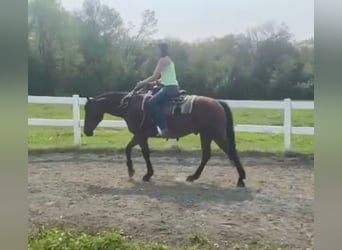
[{"x": 192, "y": 20}]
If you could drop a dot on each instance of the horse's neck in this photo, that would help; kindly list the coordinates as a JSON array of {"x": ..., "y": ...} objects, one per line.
[
  {"x": 114, "y": 101},
  {"x": 113, "y": 104}
]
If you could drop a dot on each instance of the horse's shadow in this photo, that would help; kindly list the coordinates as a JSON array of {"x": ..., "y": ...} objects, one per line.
[{"x": 181, "y": 193}]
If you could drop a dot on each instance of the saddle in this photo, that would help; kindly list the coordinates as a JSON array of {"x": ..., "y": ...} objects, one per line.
[{"x": 177, "y": 105}]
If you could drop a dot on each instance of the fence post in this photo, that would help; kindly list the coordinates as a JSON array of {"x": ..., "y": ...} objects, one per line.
[
  {"x": 76, "y": 119},
  {"x": 287, "y": 124}
]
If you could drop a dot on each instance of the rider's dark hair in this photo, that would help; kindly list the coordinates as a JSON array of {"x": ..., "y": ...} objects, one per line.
[{"x": 164, "y": 49}]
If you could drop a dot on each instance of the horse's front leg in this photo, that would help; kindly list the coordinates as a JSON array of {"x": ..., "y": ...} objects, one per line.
[
  {"x": 128, "y": 151},
  {"x": 146, "y": 153}
]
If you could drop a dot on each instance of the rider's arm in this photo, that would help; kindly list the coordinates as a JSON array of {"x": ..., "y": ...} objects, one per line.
[{"x": 162, "y": 63}]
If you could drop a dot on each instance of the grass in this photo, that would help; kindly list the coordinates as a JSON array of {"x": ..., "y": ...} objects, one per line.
[
  {"x": 62, "y": 138},
  {"x": 58, "y": 111},
  {"x": 59, "y": 239},
  {"x": 77, "y": 240},
  {"x": 241, "y": 116},
  {"x": 49, "y": 138}
]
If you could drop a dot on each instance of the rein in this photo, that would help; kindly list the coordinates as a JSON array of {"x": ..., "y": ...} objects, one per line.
[{"x": 124, "y": 103}]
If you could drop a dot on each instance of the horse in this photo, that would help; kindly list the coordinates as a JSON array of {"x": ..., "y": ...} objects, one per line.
[{"x": 185, "y": 114}]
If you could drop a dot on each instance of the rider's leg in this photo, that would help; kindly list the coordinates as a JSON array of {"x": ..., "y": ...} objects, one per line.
[{"x": 156, "y": 103}]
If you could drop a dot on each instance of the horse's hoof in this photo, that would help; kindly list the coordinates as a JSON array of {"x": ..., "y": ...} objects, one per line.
[
  {"x": 241, "y": 184},
  {"x": 130, "y": 168},
  {"x": 131, "y": 172},
  {"x": 146, "y": 178},
  {"x": 191, "y": 178}
]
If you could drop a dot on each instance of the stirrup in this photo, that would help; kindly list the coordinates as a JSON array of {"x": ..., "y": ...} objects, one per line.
[{"x": 167, "y": 135}]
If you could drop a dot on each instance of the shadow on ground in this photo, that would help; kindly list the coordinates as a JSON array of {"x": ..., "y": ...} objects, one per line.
[{"x": 180, "y": 193}]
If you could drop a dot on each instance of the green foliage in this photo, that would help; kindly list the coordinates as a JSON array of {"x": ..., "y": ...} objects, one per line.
[
  {"x": 93, "y": 50},
  {"x": 200, "y": 241},
  {"x": 56, "y": 239},
  {"x": 67, "y": 239}
]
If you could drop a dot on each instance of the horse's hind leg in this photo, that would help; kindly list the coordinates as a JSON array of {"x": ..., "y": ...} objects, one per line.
[
  {"x": 206, "y": 153},
  {"x": 146, "y": 153},
  {"x": 128, "y": 152},
  {"x": 230, "y": 150}
]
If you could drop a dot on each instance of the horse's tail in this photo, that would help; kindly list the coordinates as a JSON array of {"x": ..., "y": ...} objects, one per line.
[{"x": 230, "y": 129}]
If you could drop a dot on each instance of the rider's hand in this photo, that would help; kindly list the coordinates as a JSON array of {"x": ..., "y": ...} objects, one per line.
[{"x": 140, "y": 84}]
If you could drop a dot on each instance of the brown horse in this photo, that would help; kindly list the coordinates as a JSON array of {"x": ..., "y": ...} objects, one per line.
[{"x": 210, "y": 118}]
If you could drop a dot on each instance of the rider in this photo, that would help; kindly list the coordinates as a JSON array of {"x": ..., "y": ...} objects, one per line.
[{"x": 165, "y": 71}]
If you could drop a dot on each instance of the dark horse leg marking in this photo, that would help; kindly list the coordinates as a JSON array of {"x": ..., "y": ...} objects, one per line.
[
  {"x": 206, "y": 153},
  {"x": 230, "y": 150},
  {"x": 146, "y": 153},
  {"x": 130, "y": 145}
]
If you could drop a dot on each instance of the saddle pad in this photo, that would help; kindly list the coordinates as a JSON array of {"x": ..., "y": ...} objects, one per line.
[
  {"x": 177, "y": 107},
  {"x": 185, "y": 107}
]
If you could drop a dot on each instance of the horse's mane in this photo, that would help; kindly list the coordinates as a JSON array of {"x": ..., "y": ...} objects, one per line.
[{"x": 110, "y": 93}]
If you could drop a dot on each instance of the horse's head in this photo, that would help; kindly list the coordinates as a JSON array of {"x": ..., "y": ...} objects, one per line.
[{"x": 94, "y": 112}]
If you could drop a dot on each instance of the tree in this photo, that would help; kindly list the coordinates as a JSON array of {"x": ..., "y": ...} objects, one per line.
[
  {"x": 93, "y": 50},
  {"x": 100, "y": 44},
  {"x": 44, "y": 31}
]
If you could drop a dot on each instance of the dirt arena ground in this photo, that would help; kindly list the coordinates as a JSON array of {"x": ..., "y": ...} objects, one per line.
[{"x": 93, "y": 191}]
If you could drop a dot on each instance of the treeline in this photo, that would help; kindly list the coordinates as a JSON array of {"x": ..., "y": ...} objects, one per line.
[{"x": 92, "y": 50}]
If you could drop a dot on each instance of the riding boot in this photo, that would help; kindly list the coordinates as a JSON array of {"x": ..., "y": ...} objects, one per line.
[{"x": 165, "y": 133}]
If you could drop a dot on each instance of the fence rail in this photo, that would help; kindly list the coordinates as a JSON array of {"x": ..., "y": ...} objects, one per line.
[{"x": 287, "y": 105}]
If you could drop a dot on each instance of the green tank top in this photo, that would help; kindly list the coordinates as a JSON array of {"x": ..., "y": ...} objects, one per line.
[{"x": 168, "y": 75}]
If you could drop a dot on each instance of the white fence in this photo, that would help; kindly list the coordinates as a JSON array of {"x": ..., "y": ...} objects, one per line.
[{"x": 287, "y": 106}]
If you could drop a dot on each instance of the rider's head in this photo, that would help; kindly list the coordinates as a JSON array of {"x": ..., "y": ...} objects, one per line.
[{"x": 164, "y": 50}]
